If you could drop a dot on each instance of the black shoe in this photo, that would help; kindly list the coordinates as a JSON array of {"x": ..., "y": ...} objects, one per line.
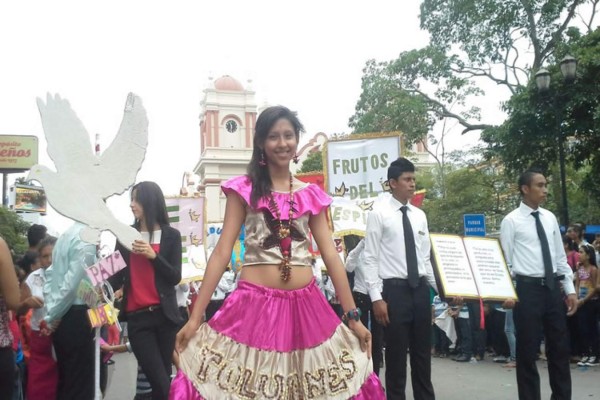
[{"x": 463, "y": 358}]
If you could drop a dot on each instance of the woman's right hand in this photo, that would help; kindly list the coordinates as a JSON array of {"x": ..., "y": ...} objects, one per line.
[
  {"x": 34, "y": 302},
  {"x": 185, "y": 334}
]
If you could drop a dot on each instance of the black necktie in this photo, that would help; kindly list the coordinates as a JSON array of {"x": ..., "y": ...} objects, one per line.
[
  {"x": 545, "y": 250},
  {"x": 411, "y": 250}
]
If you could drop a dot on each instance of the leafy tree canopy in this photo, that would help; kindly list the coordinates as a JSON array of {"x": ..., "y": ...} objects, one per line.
[
  {"x": 501, "y": 41},
  {"x": 13, "y": 230},
  {"x": 312, "y": 163},
  {"x": 570, "y": 111}
]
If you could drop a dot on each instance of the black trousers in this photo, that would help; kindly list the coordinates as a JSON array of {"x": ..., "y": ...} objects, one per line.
[
  {"x": 465, "y": 336},
  {"x": 477, "y": 334},
  {"x": 588, "y": 327},
  {"x": 7, "y": 373},
  {"x": 152, "y": 338},
  {"x": 409, "y": 311},
  {"x": 212, "y": 308},
  {"x": 363, "y": 301},
  {"x": 539, "y": 307},
  {"x": 73, "y": 343}
]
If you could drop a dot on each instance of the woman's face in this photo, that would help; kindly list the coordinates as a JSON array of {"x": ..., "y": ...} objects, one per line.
[
  {"x": 281, "y": 143},
  {"x": 583, "y": 255},
  {"x": 46, "y": 256},
  {"x": 136, "y": 208}
]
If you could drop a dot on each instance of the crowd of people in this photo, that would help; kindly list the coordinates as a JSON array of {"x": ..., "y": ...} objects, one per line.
[{"x": 285, "y": 324}]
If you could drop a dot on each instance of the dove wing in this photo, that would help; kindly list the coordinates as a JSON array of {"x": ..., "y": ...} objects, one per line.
[
  {"x": 69, "y": 143},
  {"x": 122, "y": 160}
]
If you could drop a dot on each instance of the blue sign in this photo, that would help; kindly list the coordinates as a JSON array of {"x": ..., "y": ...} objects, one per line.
[{"x": 474, "y": 224}]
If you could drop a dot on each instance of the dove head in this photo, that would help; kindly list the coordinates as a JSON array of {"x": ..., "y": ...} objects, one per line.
[{"x": 39, "y": 173}]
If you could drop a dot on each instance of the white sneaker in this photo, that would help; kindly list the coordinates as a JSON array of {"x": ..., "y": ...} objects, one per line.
[
  {"x": 592, "y": 362},
  {"x": 583, "y": 362}
]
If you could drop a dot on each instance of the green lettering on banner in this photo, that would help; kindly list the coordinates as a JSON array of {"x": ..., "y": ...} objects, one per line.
[
  {"x": 364, "y": 163},
  {"x": 363, "y": 191},
  {"x": 336, "y": 213},
  {"x": 336, "y": 165},
  {"x": 345, "y": 167},
  {"x": 384, "y": 162}
]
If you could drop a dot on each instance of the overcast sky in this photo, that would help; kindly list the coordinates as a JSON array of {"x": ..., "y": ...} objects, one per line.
[{"x": 307, "y": 55}]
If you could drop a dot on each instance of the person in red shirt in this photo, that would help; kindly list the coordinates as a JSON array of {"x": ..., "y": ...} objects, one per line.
[{"x": 149, "y": 301}]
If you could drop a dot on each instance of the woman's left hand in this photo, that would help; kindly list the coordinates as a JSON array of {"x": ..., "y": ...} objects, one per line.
[
  {"x": 143, "y": 248},
  {"x": 363, "y": 334}
]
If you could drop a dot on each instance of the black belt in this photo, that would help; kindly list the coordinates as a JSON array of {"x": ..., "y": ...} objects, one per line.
[
  {"x": 145, "y": 309},
  {"x": 401, "y": 282},
  {"x": 538, "y": 281}
]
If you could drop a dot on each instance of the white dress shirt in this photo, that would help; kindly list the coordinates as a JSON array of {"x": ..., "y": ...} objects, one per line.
[
  {"x": 355, "y": 262},
  {"x": 225, "y": 285},
  {"x": 182, "y": 294},
  {"x": 36, "y": 281},
  {"x": 522, "y": 248},
  {"x": 385, "y": 254}
]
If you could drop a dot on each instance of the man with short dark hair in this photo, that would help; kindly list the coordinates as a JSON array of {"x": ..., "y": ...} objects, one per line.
[
  {"x": 35, "y": 234},
  {"x": 397, "y": 251},
  {"x": 533, "y": 248}
]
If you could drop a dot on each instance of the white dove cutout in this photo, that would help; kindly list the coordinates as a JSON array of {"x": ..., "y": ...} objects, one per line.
[{"x": 82, "y": 180}]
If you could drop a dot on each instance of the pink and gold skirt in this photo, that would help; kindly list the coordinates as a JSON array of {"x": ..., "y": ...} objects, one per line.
[{"x": 269, "y": 343}]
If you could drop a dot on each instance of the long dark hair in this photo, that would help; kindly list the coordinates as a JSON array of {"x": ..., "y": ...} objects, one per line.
[
  {"x": 259, "y": 175},
  {"x": 591, "y": 253},
  {"x": 29, "y": 258},
  {"x": 150, "y": 197}
]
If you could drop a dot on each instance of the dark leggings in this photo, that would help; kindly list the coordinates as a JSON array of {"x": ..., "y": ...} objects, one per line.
[
  {"x": 152, "y": 338},
  {"x": 7, "y": 373},
  {"x": 588, "y": 327}
]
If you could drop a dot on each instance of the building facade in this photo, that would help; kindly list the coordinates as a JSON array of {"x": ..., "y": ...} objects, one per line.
[{"x": 227, "y": 118}]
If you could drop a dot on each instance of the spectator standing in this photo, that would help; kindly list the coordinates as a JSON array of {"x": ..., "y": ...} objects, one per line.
[{"x": 9, "y": 300}]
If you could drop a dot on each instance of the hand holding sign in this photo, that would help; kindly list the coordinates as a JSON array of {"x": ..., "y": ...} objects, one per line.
[{"x": 106, "y": 268}]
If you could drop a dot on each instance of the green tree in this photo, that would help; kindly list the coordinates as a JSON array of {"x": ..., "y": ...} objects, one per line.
[
  {"x": 571, "y": 111},
  {"x": 471, "y": 41},
  {"x": 472, "y": 187},
  {"x": 313, "y": 162},
  {"x": 13, "y": 230}
]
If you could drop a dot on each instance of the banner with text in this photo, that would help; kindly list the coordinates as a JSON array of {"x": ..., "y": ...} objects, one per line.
[
  {"x": 356, "y": 177},
  {"x": 186, "y": 214},
  {"x": 357, "y": 168}
]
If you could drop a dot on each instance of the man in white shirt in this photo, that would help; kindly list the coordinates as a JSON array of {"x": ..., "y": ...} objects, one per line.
[
  {"x": 533, "y": 248},
  {"x": 397, "y": 250},
  {"x": 355, "y": 262}
]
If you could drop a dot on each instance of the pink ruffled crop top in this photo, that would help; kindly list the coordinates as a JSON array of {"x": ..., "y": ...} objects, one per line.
[{"x": 261, "y": 241}]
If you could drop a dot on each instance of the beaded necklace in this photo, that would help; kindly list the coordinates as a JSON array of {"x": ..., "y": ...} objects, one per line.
[{"x": 285, "y": 239}]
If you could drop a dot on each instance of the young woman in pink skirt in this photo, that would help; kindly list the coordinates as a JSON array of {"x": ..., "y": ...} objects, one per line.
[{"x": 275, "y": 337}]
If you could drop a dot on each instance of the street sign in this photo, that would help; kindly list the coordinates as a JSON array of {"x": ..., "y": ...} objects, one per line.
[{"x": 474, "y": 224}]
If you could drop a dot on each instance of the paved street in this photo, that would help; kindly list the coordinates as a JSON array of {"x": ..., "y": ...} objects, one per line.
[{"x": 484, "y": 380}]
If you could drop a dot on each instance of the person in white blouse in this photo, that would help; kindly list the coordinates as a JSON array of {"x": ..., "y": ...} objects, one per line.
[
  {"x": 355, "y": 262},
  {"x": 397, "y": 250},
  {"x": 533, "y": 249}
]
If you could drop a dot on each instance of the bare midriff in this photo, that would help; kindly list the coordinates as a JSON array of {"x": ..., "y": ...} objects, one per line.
[{"x": 269, "y": 275}]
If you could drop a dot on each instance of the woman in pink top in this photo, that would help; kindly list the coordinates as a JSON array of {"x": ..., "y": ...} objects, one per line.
[
  {"x": 275, "y": 335},
  {"x": 588, "y": 309}
]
